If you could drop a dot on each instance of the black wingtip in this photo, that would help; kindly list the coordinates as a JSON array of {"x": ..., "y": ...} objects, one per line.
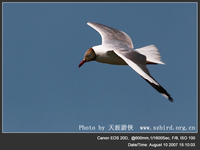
[
  {"x": 161, "y": 90},
  {"x": 164, "y": 93},
  {"x": 170, "y": 99}
]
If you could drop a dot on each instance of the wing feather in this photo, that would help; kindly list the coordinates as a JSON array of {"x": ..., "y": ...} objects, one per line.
[
  {"x": 138, "y": 62},
  {"x": 112, "y": 36}
]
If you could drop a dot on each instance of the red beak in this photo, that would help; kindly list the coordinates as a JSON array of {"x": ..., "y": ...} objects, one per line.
[{"x": 82, "y": 62}]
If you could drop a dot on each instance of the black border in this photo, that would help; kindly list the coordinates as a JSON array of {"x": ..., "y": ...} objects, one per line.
[{"x": 82, "y": 140}]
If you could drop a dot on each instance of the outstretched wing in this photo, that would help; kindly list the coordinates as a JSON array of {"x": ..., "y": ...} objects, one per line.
[
  {"x": 112, "y": 36},
  {"x": 138, "y": 62}
]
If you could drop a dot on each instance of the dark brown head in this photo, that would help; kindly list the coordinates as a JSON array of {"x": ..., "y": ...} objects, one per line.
[{"x": 89, "y": 56}]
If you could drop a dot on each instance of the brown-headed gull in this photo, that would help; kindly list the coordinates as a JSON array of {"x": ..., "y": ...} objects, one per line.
[{"x": 117, "y": 48}]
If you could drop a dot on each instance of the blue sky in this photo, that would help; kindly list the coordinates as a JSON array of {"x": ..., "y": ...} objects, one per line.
[{"x": 45, "y": 91}]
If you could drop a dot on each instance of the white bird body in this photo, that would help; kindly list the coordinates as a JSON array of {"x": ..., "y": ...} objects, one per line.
[
  {"x": 104, "y": 55},
  {"x": 117, "y": 48}
]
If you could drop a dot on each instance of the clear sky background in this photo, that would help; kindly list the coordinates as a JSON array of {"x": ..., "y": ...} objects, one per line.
[{"x": 45, "y": 91}]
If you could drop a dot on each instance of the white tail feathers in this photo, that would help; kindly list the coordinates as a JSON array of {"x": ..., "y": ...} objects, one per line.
[{"x": 152, "y": 54}]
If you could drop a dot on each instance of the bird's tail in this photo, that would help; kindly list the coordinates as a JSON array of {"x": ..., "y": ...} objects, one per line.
[{"x": 152, "y": 54}]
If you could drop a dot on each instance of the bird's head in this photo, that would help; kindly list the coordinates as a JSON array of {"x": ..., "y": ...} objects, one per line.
[{"x": 89, "y": 56}]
